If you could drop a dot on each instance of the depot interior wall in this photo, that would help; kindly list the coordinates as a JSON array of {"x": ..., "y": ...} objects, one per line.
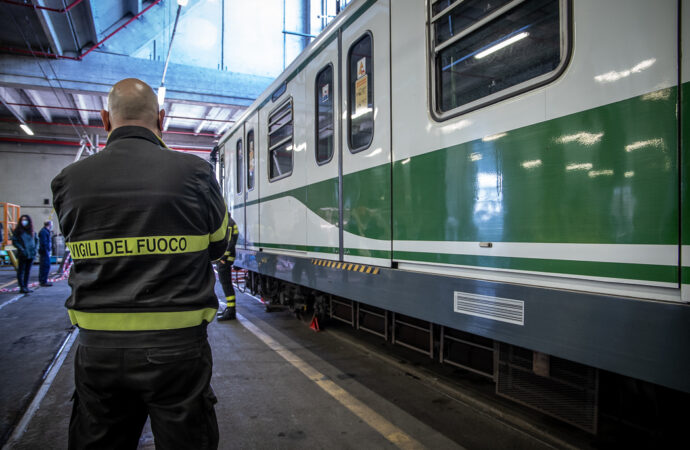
[{"x": 26, "y": 171}]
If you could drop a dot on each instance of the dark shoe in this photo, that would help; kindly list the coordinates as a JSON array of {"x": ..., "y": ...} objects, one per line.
[
  {"x": 23, "y": 291},
  {"x": 46, "y": 284},
  {"x": 29, "y": 290},
  {"x": 227, "y": 314}
]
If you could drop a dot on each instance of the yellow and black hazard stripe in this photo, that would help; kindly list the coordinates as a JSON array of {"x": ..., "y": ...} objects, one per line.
[{"x": 352, "y": 267}]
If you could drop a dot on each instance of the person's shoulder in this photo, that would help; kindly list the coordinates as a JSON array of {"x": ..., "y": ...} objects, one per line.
[
  {"x": 81, "y": 165},
  {"x": 192, "y": 163}
]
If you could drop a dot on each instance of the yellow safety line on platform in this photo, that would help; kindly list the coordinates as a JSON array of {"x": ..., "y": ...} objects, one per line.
[
  {"x": 7, "y": 284},
  {"x": 389, "y": 431}
]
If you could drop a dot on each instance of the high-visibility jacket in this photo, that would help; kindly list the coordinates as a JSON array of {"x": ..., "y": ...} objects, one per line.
[
  {"x": 233, "y": 233},
  {"x": 142, "y": 223}
]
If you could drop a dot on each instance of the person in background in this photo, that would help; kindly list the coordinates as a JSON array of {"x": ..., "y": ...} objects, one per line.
[
  {"x": 225, "y": 272},
  {"x": 44, "y": 238},
  {"x": 25, "y": 241}
]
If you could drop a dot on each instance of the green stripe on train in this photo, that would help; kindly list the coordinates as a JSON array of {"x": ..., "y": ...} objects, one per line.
[
  {"x": 685, "y": 275},
  {"x": 666, "y": 274},
  {"x": 606, "y": 175},
  {"x": 685, "y": 173},
  {"x": 570, "y": 179}
]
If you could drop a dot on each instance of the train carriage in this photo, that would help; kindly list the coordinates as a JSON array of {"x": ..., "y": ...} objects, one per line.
[{"x": 507, "y": 178}]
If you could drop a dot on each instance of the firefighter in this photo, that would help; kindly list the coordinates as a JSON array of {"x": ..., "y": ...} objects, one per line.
[
  {"x": 225, "y": 272},
  {"x": 143, "y": 224}
]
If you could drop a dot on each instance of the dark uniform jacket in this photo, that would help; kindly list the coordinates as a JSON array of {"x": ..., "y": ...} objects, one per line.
[
  {"x": 233, "y": 233},
  {"x": 45, "y": 244},
  {"x": 142, "y": 223}
]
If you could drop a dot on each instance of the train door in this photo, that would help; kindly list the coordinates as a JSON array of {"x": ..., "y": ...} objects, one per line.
[
  {"x": 684, "y": 89},
  {"x": 234, "y": 161},
  {"x": 282, "y": 161},
  {"x": 322, "y": 157},
  {"x": 365, "y": 140},
  {"x": 251, "y": 145}
]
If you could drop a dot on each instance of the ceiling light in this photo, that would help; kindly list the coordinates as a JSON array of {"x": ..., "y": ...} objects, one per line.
[
  {"x": 26, "y": 129},
  {"x": 182, "y": 2}
]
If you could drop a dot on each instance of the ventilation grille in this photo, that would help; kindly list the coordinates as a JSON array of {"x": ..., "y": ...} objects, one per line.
[
  {"x": 563, "y": 389},
  {"x": 494, "y": 308}
]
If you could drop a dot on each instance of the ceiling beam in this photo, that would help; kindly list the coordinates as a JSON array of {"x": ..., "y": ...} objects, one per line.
[
  {"x": 37, "y": 100},
  {"x": 184, "y": 83},
  {"x": 80, "y": 101},
  {"x": 49, "y": 29},
  {"x": 210, "y": 113},
  {"x": 225, "y": 114},
  {"x": 9, "y": 95}
]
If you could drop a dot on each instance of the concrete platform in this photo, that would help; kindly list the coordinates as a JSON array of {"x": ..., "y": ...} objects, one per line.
[
  {"x": 279, "y": 385},
  {"x": 32, "y": 329}
]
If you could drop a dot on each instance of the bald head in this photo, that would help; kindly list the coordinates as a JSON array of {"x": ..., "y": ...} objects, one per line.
[{"x": 132, "y": 102}]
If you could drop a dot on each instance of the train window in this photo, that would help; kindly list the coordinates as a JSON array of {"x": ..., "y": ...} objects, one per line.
[
  {"x": 238, "y": 168},
  {"x": 280, "y": 133},
  {"x": 486, "y": 50},
  {"x": 250, "y": 160},
  {"x": 360, "y": 94},
  {"x": 324, "y": 115}
]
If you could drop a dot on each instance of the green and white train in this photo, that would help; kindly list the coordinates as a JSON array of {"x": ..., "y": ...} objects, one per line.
[{"x": 502, "y": 184}]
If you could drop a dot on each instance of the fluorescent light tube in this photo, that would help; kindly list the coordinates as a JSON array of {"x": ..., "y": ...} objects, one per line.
[
  {"x": 26, "y": 129},
  {"x": 501, "y": 45}
]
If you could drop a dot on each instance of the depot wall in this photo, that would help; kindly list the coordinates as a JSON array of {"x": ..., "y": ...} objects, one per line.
[{"x": 26, "y": 171}]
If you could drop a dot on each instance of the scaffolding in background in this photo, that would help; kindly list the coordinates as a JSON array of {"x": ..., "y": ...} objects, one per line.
[{"x": 10, "y": 217}]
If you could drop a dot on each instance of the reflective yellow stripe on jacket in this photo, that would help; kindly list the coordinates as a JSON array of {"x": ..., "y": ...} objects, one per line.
[
  {"x": 143, "y": 321},
  {"x": 219, "y": 234}
]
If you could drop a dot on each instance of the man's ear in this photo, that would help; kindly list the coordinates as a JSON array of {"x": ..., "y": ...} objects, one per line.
[
  {"x": 161, "y": 118},
  {"x": 105, "y": 117}
]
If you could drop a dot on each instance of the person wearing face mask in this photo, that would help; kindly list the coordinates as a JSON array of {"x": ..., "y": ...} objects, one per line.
[
  {"x": 44, "y": 237},
  {"x": 26, "y": 243}
]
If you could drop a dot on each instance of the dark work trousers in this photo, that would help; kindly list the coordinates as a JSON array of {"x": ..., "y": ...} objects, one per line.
[
  {"x": 43, "y": 268},
  {"x": 225, "y": 278},
  {"x": 117, "y": 388},
  {"x": 23, "y": 271}
]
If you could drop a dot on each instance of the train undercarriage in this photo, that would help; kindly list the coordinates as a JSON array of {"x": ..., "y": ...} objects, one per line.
[{"x": 597, "y": 401}]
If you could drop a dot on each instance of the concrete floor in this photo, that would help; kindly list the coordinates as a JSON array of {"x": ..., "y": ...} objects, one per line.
[
  {"x": 32, "y": 329},
  {"x": 265, "y": 401}
]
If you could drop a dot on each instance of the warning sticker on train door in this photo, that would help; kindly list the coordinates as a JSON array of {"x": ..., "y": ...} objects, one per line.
[
  {"x": 324, "y": 93},
  {"x": 361, "y": 68},
  {"x": 361, "y": 95}
]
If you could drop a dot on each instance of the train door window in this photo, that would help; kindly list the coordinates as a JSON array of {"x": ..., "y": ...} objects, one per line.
[
  {"x": 484, "y": 51},
  {"x": 250, "y": 160},
  {"x": 280, "y": 137},
  {"x": 238, "y": 168},
  {"x": 324, "y": 115},
  {"x": 360, "y": 94}
]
